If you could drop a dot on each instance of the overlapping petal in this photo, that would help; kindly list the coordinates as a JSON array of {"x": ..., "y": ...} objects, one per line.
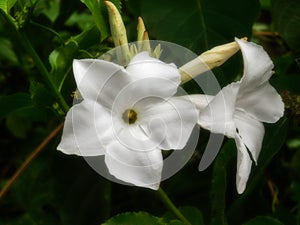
[
  {"x": 135, "y": 167},
  {"x": 263, "y": 103},
  {"x": 244, "y": 164},
  {"x": 170, "y": 122},
  {"x": 218, "y": 116},
  {"x": 93, "y": 75},
  {"x": 80, "y": 135},
  {"x": 251, "y": 132}
]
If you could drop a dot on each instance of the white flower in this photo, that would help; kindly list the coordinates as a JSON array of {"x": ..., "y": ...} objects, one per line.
[
  {"x": 128, "y": 115},
  {"x": 239, "y": 109}
]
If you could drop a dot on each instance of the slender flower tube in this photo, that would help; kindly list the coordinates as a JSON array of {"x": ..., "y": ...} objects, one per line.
[
  {"x": 208, "y": 60},
  {"x": 239, "y": 109},
  {"x": 128, "y": 115}
]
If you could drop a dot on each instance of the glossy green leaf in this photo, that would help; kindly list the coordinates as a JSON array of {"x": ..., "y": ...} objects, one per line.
[
  {"x": 134, "y": 218},
  {"x": 50, "y": 8},
  {"x": 192, "y": 214},
  {"x": 287, "y": 21},
  {"x": 97, "y": 7},
  {"x": 61, "y": 61},
  {"x": 263, "y": 220},
  {"x": 6, "y": 5}
]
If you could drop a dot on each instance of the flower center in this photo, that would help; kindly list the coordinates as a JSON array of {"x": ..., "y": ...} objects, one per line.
[{"x": 129, "y": 116}]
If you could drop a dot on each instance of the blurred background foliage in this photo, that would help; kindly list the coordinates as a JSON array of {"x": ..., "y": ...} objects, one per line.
[{"x": 38, "y": 41}]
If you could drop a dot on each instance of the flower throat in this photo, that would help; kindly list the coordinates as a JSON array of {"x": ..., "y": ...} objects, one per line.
[{"x": 129, "y": 116}]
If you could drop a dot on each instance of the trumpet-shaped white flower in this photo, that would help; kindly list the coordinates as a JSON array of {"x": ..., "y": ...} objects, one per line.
[
  {"x": 128, "y": 115},
  {"x": 239, "y": 109}
]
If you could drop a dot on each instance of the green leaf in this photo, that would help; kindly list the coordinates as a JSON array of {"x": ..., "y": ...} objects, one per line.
[
  {"x": 6, "y": 5},
  {"x": 96, "y": 7},
  {"x": 50, "y": 8},
  {"x": 263, "y": 220},
  {"x": 199, "y": 24},
  {"x": 134, "y": 218},
  {"x": 6, "y": 51},
  {"x": 285, "y": 14},
  {"x": 17, "y": 125},
  {"x": 192, "y": 214},
  {"x": 219, "y": 183},
  {"x": 295, "y": 188},
  {"x": 13, "y": 102},
  {"x": 61, "y": 61}
]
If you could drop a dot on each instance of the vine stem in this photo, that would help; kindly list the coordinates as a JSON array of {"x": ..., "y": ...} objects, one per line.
[
  {"x": 170, "y": 205},
  {"x": 29, "y": 159}
]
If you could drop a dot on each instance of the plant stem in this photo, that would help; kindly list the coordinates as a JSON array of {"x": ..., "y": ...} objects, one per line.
[
  {"x": 29, "y": 159},
  {"x": 44, "y": 72},
  {"x": 22, "y": 37},
  {"x": 170, "y": 205}
]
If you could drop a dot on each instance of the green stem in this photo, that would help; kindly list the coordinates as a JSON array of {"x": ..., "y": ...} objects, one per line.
[
  {"x": 22, "y": 37},
  {"x": 44, "y": 72},
  {"x": 170, "y": 205}
]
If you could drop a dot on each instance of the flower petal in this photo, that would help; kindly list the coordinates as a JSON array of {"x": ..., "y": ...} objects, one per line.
[
  {"x": 99, "y": 79},
  {"x": 143, "y": 67},
  {"x": 257, "y": 64},
  {"x": 139, "y": 168},
  {"x": 263, "y": 104},
  {"x": 80, "y": 134},
  {"x": 251, "y": 132},
  {"x": 244, "y": 164},
  {"x": 169, "y": 123},
  {"x": 217, "y": 117}
]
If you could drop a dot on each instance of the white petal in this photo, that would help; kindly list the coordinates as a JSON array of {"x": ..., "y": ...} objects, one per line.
[
  {"x": 257, "y": 64},
  {"x": 169, "y": 123},
  {"x": 139, "y": 168},
  {"x": 251, "y": 132},
  {"x": 96, "y": 78},
  {"x": 263, "y": 103},
  {"x": 143, "y": 67},
  {"x": 81, "y": 130},
  {"x": 217, "y": 117},
  {"x": 244, "y": 163}
]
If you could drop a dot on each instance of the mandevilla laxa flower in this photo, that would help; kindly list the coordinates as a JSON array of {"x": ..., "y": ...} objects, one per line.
[
  {"x": 239, "y": 109},
  {"x": 128, "y": 115}
]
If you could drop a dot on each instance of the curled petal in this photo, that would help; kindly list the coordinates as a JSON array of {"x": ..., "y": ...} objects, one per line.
[
  {"x": 139, "y": 168},
  {"x": 244, "y": 164},
  {"x": 263, "y": 104},
  {"x": 257, "y": 64},
  {"x": 251, "y": 132}
]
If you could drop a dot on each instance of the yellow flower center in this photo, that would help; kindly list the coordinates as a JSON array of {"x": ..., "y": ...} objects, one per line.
[{"x": 129, "y": 116}]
